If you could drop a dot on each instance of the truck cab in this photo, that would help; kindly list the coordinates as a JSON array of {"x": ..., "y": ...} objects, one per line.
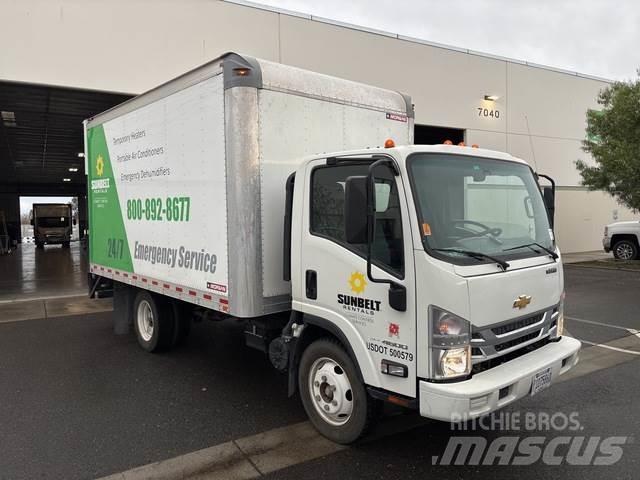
[{"x": 436, "y": 270}]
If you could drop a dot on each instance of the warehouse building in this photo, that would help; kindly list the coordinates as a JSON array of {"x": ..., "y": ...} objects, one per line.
[{"x": 69, "y": 60}]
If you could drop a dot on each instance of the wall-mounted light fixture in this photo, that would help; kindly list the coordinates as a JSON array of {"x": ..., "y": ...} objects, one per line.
[{"x": 491, "y": 98}]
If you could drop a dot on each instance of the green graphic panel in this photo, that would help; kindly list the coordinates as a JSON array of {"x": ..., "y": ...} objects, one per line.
[{"x": 107, "y": 235}]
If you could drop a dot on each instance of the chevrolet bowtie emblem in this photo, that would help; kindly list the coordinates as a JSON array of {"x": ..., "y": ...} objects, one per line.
[{"x": 522, "y": 301}]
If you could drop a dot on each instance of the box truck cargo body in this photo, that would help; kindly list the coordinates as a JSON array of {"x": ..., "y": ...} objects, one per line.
[
  {"x": 427, "y": 276},
  {"x": 186, "y": 183}
]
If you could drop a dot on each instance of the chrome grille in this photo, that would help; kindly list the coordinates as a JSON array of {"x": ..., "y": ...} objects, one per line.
[
  {"x": 493, "y": 341},
  {"x": 517, "y": 325}
]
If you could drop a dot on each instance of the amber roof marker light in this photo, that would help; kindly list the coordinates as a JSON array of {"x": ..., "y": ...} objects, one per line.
[{"x": 389, "y": 143}]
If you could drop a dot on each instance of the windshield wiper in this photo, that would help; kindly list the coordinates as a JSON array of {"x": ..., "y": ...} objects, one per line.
[
  {"x": 551, "y": 253},
  {"x": 477, "y": 255}
]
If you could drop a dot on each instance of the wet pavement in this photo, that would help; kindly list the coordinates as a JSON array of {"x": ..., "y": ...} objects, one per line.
[{"x": 29, "y": 273}]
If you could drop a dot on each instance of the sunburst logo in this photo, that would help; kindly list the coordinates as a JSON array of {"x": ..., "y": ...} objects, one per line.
[
  {"x": 99, "y": 166},
  {"x": 357, "y": 283}
]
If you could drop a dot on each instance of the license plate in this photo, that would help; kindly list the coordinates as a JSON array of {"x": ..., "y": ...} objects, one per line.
[{"x": 541, "y": 380}]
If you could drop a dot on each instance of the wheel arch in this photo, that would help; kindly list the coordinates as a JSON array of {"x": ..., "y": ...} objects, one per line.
[
  {"x": 314, "y": 329},
  {"x": 616, "y": 237}
]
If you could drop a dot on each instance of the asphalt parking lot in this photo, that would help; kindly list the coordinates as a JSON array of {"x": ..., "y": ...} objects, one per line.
[{"x": 78, "y": 402}]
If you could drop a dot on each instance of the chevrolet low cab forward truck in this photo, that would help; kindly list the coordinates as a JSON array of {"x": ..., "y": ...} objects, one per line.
[{"x": 426, "y": 276}]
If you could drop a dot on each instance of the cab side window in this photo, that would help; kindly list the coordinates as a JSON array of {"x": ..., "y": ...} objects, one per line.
[{"x": 327, "y": 213}]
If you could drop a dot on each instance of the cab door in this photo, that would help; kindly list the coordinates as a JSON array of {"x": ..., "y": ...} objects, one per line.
[{"x": 336, "y": 286}]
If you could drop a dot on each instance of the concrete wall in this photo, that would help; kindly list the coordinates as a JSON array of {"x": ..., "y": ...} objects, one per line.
[{"x": 133, "y": 45}]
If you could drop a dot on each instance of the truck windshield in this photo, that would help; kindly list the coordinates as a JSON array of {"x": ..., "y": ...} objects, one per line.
[{"x": 479, "y": 205}]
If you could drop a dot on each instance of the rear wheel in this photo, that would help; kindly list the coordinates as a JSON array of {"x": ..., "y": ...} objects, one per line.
[
  {"x": 153, "y": 321},
  {"x": 625, "y": 250},
  {"x": 333, "y": 396}
]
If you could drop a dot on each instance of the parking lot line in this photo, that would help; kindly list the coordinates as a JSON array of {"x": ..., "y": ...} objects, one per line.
[
  {"x": 609, "y": 347},
  {"x": 600, "y": 324}
]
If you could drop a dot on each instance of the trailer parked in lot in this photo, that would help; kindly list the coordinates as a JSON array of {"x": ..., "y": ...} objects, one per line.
[{"x": 423, "y": 275}]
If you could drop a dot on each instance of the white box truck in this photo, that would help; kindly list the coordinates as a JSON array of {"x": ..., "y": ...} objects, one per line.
[
  {"x": 52, "y": 224},
  {"x": 426, "y": 276}
]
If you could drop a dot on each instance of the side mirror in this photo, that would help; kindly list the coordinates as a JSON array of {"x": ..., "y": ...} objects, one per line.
[
  {"x": 398, "y": 297},
  {"x": 355, "y": 210},
  {"x": 550, "y": 202}
]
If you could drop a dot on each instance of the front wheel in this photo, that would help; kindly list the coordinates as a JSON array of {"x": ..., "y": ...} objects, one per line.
[
  {"x": 333, "y": 396},
  {"x": 625, "y": 250}
]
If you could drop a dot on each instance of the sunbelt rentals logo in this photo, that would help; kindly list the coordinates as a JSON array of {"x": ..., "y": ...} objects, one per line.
[
  {"x": 357, "y": 283},
  {"x": 99, "y": 166},
  {"x": 101, "y": 184},
  {"x": 357, "y": 303}
]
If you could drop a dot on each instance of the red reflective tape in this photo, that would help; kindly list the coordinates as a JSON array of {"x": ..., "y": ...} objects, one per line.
[
  {"x": 207, "y": 296},
  {"x": 178, "y": 289},
  {"x": 109, "y": 271},
  {"x": 135, "y": 277},
  {"x": 154, "y": 282},
  {"x": 144, "y": 280},
  {"x": 102, "y": 268},
  {"x": 165, "y": 285},
  {"x": 117, "y": 272},
  {"x": 224, "y": 301},
  {"x": 192, "y": 293},
  {"x": 126, "y": 275}
]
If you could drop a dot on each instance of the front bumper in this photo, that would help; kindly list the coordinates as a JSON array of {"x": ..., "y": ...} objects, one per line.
[
  {"x": 606, "y": 244},
  {"x": 481, "y": 394}
]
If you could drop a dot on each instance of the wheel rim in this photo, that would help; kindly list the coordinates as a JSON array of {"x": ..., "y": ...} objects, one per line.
[
  {"x": 625, "y": 251},
  {"x": 330, "y": 391},
  {"x": 145, "y": 320}
]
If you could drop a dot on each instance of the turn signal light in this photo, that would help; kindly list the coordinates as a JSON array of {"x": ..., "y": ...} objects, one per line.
[{"x": 392, "y": 368}]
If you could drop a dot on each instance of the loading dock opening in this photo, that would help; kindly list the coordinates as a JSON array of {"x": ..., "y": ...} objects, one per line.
[{"x": 431, "y": 135}]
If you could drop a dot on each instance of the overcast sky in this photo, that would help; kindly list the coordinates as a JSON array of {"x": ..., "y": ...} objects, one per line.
[{"x": 597, "y": 37}]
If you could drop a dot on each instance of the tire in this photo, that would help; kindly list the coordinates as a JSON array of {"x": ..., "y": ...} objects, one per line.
[
  {"x": 153, "y": 321},
  {"x": 342, "y": 417},
  {"x": 625, "y": 250}
]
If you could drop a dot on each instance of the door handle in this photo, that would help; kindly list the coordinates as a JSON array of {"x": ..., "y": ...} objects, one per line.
[{"x": 312, "y": 284}]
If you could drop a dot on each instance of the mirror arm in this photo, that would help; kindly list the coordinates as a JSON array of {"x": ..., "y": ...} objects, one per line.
[
  {"x": 551, "y": 180},
  {"x": 397, "y": 292}
]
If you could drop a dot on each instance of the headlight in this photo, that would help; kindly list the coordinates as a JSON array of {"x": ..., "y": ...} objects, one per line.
[
  {"x": 455, "y": 362},
  {"x": 449, "y": 344}
]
